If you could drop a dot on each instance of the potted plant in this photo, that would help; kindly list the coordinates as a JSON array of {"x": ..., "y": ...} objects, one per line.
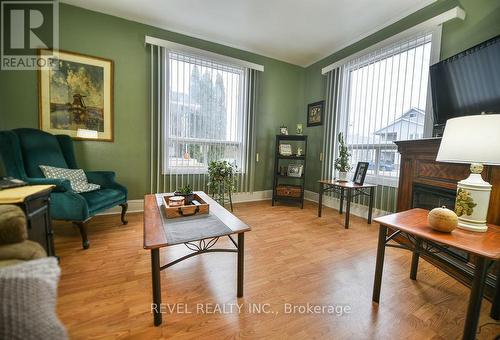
[
  {"x": 187, "y": 192},
  {"x": 220, "y": 177},
  {"x": 342, "y": 162}
]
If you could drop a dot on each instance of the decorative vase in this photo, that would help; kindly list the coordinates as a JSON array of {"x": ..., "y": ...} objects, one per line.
[
  {"x": 442, "y": 219},
  {"x": 342, "y": 176}
]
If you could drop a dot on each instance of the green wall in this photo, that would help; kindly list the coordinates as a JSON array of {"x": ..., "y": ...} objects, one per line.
[
  {"x": 286, "y": 89},
  {"x": 114, "y": 38},
  {"x": 481, "y": 23}
]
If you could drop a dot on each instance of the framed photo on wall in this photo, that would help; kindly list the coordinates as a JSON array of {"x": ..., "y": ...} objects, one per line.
[
  {"x": 76, "y": 96},
  {"x": 360, "y": 174},
  {"x": 315, "y": 113}
]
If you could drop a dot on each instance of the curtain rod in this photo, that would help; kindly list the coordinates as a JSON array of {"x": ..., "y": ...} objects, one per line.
[
  {"x": 197, "y": 51},
  {"x": 454, "y": 13}
]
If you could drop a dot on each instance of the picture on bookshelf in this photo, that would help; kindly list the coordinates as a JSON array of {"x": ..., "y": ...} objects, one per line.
[
  {"x": 295, "y": 170},
  {"x": 285, "y": 149}
]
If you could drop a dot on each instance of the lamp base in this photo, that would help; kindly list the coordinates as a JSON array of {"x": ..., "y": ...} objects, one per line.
[
  {"x": 471, "y": 205},
  {"x": 481, "y": 228}
]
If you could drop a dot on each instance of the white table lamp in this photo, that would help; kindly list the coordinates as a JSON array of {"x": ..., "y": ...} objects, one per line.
[{"x": 473, "y": 140}]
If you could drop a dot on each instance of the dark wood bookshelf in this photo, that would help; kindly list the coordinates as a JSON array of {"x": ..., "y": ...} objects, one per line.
[{"x": 278, "y": 178}]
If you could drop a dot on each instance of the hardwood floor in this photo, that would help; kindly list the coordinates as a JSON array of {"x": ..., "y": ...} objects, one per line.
[{"x": 292, "y": 257}]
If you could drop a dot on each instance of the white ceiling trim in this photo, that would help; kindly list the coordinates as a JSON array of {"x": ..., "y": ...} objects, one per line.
[
  {"x": 373, "y": 31},
  {"x": 430, "y": 24},
  {"x": 203, "y": 53}
]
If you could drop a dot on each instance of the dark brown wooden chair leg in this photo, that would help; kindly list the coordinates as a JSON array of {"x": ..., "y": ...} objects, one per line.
[
  {"x": 83, "y": 232},
  {"x": 124, "y": 211}
]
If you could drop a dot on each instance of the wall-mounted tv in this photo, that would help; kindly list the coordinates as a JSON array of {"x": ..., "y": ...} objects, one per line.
[{"x": 467, "y": 83}]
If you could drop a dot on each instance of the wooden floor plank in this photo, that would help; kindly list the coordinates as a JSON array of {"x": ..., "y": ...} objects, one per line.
[{"x": 292, "y": 257}]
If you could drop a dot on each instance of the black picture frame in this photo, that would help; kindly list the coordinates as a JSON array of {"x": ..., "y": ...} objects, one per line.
[
  {"x": 315, "y": 113},
  {"x": 360, "y": 174}
]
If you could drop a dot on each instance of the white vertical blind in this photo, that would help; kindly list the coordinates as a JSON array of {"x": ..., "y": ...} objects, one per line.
[
  {"x": 202, "y": 110},
  {"x": 383, "y": 98}
]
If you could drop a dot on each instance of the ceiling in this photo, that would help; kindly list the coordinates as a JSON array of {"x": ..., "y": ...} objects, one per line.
[{"x": 300, "y": 32}]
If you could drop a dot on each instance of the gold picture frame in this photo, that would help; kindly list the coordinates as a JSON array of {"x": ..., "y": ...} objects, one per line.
[{"x": 75, "y": 95}]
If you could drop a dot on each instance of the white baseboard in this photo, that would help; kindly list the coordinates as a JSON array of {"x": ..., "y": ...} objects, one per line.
[
  {"x": 328, "y": 201},
  {"x": 333, "y": 202},
  {"x": 138, "y": 205}
]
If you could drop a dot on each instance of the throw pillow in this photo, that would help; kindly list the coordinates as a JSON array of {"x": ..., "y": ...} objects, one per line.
[
  {"x": 28, "y": 292},
  {"x": 77, "y": 178}
]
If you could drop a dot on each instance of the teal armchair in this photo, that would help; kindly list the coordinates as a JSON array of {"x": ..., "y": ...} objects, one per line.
[{"x": 22, "y": 151}]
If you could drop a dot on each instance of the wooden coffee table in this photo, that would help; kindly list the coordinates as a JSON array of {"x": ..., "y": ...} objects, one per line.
[
  {"x": 349, "y": 190},
  {"x": 413, "y": 225},
  {"x": 158, "y": 234}
]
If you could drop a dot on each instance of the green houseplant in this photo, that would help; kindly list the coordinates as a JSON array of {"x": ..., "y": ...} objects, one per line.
[
  {"x": 221, "y": 179},
  {"x": 342, "y": 162},
  {"x": 187, "y": 192}
]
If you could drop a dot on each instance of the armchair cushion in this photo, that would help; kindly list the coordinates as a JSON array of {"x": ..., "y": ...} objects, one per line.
[
  {"x": 76, "y": 177},
  {"x": 103, "y": 199}
]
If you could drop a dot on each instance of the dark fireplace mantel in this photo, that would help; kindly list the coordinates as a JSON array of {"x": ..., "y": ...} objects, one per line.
[{"x": 420, "y": 174}]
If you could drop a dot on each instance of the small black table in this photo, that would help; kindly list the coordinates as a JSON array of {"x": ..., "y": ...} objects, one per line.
[{"x": 349, "y": 190}]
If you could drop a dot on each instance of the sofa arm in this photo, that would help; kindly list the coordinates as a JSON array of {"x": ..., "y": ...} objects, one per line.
[{"x": 62, "y": 185}]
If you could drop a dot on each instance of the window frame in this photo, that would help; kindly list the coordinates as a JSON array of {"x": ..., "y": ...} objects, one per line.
[
  {"x": 205, "y": 59},
  {"x": 343, "y": 121}
]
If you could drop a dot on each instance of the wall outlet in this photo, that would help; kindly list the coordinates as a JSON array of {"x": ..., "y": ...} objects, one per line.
[{"x": 257, "y": 157}]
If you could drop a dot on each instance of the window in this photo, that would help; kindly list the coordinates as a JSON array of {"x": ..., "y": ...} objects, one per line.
[
  {"x": 205, "y": 114},
  {"x": 386, "y": 100}
]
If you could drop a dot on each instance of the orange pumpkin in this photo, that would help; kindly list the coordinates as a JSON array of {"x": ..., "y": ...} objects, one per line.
[{"x": 442, "y": 219}]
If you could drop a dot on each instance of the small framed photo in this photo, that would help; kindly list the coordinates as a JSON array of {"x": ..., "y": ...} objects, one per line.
[
  {"x": 295, "y": 170},
  {"x": 283, "y": 130},
  {"x": 315, "y": 113},
  {"x": 285, "y": 149},
  {"x": 300, "y": 129},
  {"x": 360, "y": 174}
]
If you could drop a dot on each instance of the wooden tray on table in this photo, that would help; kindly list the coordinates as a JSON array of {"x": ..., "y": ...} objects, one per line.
[{"x": 185, "y": 210}]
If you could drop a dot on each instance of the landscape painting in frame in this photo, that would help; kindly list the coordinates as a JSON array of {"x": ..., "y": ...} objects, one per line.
[{"x": 76, "y": 95}]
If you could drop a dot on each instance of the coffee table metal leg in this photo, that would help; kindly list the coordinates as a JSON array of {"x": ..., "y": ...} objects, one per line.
[
  {"x": 379, "y": 267},
  {"x": 348, "y": 208},
  {"x": 241, "y": 263},
  {"x": 476, "y": 295},
  {"x": 155, "y": 275},
  {"x": 414, "y": 259}
]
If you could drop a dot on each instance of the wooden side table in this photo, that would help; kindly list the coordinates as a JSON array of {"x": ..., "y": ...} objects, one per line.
[
  {"x": 413, "y": 225},
  {"x": 349, "y": 190},
  {"x": 34, "y": 200}
]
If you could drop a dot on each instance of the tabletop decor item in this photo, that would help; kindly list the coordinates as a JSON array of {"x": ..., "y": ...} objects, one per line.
[
  {"x": 283, "y": 130},
  {"x": 175, "y": 206},
  {"x": 342, "y": 162},
  {"x": 315, "y": 113},
  {"x": 76, "y": 92},
  {"x": 295, "y": 170},
  {"x": 360, "y": 174},
  {"x": 299, "y": 151},
  {"x": 187, "y": 192},
  {"x": 299, "y": 129},
  {"x": 175, "y": 201},
  {"x": 442, "y": 219},
  {"x": 285, "y": 149},
  {"x": 472, "y": 140}
]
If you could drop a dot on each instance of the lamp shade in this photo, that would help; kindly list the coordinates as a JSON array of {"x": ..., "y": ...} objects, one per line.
[{"x": 471, "y": 139}]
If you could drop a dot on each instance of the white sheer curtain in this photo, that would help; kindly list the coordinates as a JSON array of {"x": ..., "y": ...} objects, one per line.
[
  {"x": 381, "y": 97},
  {"x": 202, "y": 110}
]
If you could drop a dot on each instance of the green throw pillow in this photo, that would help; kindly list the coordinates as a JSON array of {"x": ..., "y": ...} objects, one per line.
[{"x": 76, "y": 177}]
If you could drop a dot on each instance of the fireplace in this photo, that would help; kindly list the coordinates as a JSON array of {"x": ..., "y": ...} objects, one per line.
[{"x": 429, "y": 197}]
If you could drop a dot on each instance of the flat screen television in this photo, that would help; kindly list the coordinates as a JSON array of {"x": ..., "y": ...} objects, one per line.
[{"x": 467, "y": 83}]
